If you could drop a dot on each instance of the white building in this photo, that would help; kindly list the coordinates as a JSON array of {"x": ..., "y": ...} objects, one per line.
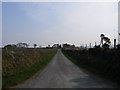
[{"x": 55, "y": 46}]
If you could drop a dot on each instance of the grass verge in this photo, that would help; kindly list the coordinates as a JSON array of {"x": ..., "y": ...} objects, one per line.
[
  {"x": 19, "y": 77},
  {"x": 89, "y": 69},
  {"x": 81, "y": 65}
]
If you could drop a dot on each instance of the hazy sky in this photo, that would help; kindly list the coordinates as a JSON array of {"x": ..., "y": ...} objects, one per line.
[
  {"x": 46, "y": 23},
  {"x": 0, "y": 24}
]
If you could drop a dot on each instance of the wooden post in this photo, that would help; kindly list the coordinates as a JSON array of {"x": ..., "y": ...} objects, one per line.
[
  {"x": 95, "y": 43},
  {"x": 114, "y": 43},
  {"x": 90, "y": 45},
  {"x": 86, "y": 45}
]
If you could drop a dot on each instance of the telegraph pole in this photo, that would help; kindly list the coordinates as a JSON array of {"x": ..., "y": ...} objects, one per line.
[
  {"x": 90, "y": 45},
  {"x": 95, "y": 44},
  {"x": 114, "y": 43}
]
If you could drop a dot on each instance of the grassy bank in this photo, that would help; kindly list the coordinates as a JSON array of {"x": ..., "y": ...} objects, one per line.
[
  {"x": 21, "y": 64},
  {"x": 83, "y": 66},
  {"x": 102, "y": 62},
  {"x": 0, "y": 68}
]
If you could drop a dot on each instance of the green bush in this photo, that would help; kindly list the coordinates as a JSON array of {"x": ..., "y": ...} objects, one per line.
[{"x": 104, "y": 61}]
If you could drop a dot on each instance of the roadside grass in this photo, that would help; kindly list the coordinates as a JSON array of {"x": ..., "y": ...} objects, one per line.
[
  {"x": 89, "y": 69},
  {"x": 24, "y": 72},
  {"x": 83, "y": 66},
  {"x": 0, "y": 68}
]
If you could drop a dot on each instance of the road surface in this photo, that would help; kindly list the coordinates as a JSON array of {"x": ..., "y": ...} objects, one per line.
[{"x": 61, "y": 73}]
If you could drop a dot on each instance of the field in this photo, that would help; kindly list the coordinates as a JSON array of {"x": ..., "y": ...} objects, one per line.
[
  {"x": 104, "y": 62},
  {"x": 20, "y": 64}
]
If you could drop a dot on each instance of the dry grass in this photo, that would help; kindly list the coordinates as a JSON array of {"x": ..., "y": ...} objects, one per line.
[
  {"x": 24, "y": 62},
  {"x": 0, "y": 68}
]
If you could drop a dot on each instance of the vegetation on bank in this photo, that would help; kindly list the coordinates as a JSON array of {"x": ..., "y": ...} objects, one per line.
[
  {"x": 0, "y": 68},
  {"x": 102, "y": 61},
  {"x": 20, "y": 64}
]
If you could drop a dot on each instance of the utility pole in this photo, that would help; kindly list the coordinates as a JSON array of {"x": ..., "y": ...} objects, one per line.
[
  {"x": 86, "y": 45},
  {"x": 95, "y": 44},
  {"x": 114, "y": 43},
  {"x": 90, "y": 45}
]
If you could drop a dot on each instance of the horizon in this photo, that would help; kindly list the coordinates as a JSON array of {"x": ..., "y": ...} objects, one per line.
[{"x": 47, "y": 23}]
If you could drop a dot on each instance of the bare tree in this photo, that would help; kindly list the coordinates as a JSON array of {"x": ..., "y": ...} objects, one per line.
[
  {"x": 22, "y": 45},
  {"x": 106, "y": 40}
]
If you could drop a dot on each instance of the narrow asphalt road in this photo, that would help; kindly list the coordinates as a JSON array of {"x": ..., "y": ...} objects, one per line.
[{"x": 61, "y": 73}]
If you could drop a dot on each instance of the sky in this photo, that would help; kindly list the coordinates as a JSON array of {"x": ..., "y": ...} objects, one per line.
[
  {"x": 47, "y": 23},
  {"x": 0, "y": 24}
]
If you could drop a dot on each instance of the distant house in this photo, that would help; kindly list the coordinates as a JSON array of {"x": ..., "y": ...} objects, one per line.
[
  {"x": 55, "y": 46},
  {"x": 68, "y": 46}
]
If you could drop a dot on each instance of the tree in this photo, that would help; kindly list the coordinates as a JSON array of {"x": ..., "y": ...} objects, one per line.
[
  {"x": 10, "y": 46},
  {"x": 22, "y": 45},
  {"x": 118, "y": 46},
  {"x": 106, "y": 40},
  {"x": 25, "y": 45}
]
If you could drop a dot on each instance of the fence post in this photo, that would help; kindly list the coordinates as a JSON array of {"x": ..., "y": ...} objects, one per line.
[
  {"x": 90, "y": 45},
  {"x": 114, "y": 43}
]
